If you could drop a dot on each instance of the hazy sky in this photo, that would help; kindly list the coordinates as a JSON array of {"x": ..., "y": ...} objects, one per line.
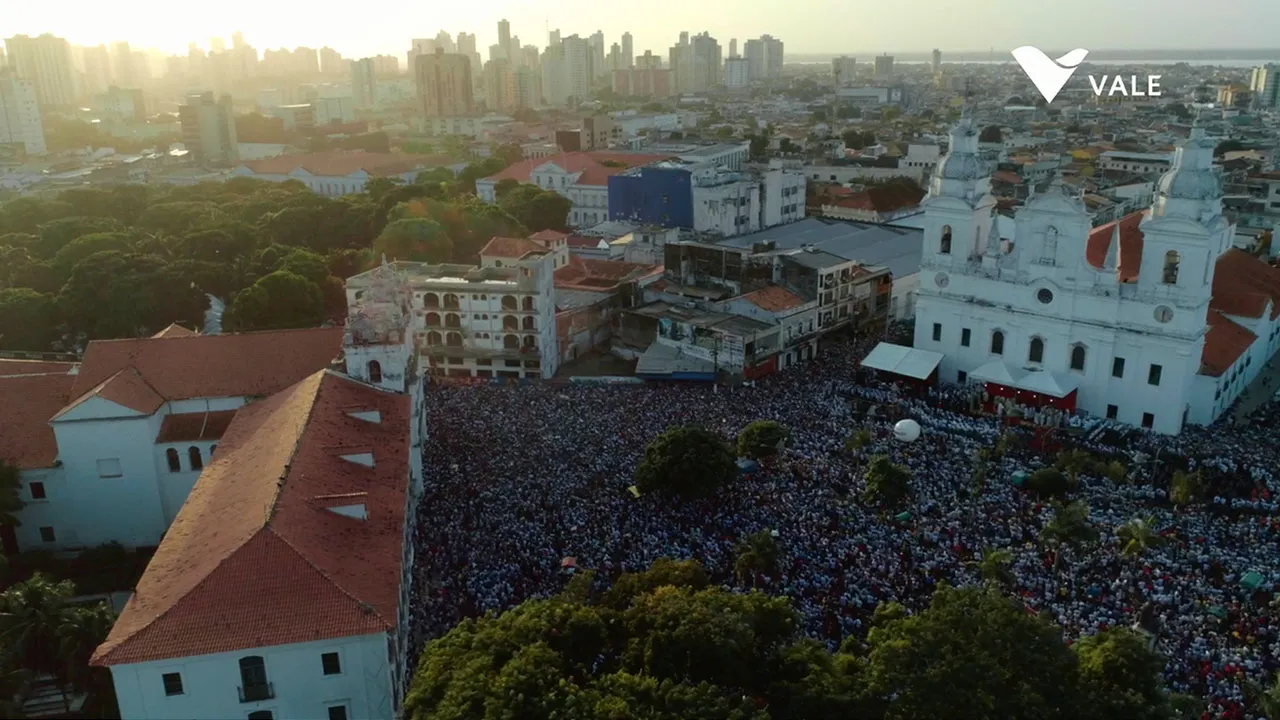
[{"x": 861, "y": 27}]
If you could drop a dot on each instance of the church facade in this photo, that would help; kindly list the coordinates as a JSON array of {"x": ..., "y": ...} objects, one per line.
[{"x": 1152, "y": 320}]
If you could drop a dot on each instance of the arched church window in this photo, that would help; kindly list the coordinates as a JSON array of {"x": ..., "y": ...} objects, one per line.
[
  {"x": 1171, "y": 260},
  {"x": 375, "y": 371},
  {"x": 1035, "y": 353},
  {"x": 997, "y": 342},
  {"x": 510, "y": 322},
  {"x": 945, "y": 243},
  {"x": 193, "y": 456},
  {"x": 1050, "y": 255},
  {"x": 175, "y": 465},
  {"x": 528, "y": 323},
  {"x": 1077, "y": 357}
]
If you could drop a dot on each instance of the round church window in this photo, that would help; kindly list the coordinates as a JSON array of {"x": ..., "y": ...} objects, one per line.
[
  {"x": 941, "y": 280},
  {"x": 1164, "y": 314},
  {"x": 1045, "y": 295}
]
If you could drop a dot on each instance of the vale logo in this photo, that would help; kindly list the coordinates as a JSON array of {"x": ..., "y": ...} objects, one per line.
[{"x": 1050, "y": 75}]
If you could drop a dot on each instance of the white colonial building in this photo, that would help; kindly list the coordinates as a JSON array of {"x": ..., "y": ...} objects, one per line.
[{"x": 1153, "y": 320}]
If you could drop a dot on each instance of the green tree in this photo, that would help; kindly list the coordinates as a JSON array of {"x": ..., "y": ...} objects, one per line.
[
  {"x": 972, "y": 654},
  {"x": 28, "y": 320},
  {"x": 994, "y": 567},
  {"x": 687, "y": 460},
  {"x": 1069, "y": 526},
  {"x": 505, "y": 186},
  {"x": 888, "y": 484},
  {"x": 10, "y": 493},
  {"x": 537, "y": 209},
  {"x": 756, "y": 556},
  {"x": 178, "y": 218},
  {"x": 414, "y": 239},
  {"x": 345, "y": 263},
  {"x": 762, "y": 439},
  {"x": 86, "y": 245},
  {"x": 279, "y": 300},
  {"x": 114, "y": 295},
  {"x": 1074, "y": 462},
  {"x": 1049, "y": 483},
  {"x": 57, "y": 234},
  {"x": 1186, "y": 487},
  {"x": 31, "y": 614},
  {"x": 1267, "y": 699},
  {"x": 857, "y": 139},
  {"x": 663, "y": 572},
  {"x": 81, "y": 631},
  {"x": 1120, "y": 677},
  {"x": 1138, "y": 535},
  {"x": 1227, "y": 146}
]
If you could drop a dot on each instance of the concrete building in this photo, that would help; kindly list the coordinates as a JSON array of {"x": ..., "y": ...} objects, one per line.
[
  {"x": 1132, "y": 162},
  {"x": 936, "y": 61},
  {"x": 96, "y": 73},
  {"x": 468, "y": 321},
  {"x": 844, "y": 69},
  {"x": 337, "y": 173},
  {"x": 528, "y": 88},
  {"x": 444, "y": 84},
  {"x": 579, "y": 67},
  {"x": 764, "y": 57},
  {"x": 209, "y": 128},
  {"x": 45, "y": 62},
  {"x": 643, "y": 83},
  {"x": 884, "y": 68},
  {"x": 870, "y": 95},
  {"x": 364, "y": 83},
  {"x": 736, "y": 73},
  {"x": 1153, "y": 320},
  {"x": 333, "y": 110},
  {"x": 298, "y": 117},
  {"x": 499, "y": 86},
  {"x": 20, "y": 123},
  {"x": 628, "y": 51},
  {"x": 121, "y": 104},
  {"x": 696, "y": 63},
  {"x": 1264, "y": 83},
  {"x": 598, "y": 66}
]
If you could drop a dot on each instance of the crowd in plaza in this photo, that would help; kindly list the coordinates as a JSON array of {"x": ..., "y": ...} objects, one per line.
[{"x": 522, "y": 477}]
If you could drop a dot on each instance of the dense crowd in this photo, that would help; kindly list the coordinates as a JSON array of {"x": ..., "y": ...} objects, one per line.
[{"x": 521, "y": 477}]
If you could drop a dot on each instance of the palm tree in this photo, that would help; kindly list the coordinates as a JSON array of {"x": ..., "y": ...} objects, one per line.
[
  {"x": 994, "y": 566},
  {"x": 31, "y": 613},
  {"x": 13, "y": 688},
  {"x": 887, "y": 483},
  {"x": 1068, "y": 526},
  {"x": 82, "y": 630},
  {"x": 10, "y": 494},
  {"x": 1267, "y": 699},
  {"x": 1074, "y": 462},
  {"x": 757, "y": 555},
  {"x": 1138, "y": 535},
  {"x": 1186, "y": 487}
]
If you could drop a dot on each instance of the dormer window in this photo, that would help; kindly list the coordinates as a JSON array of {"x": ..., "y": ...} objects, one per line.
[
  {"x": 945, "y": 243},
  {"x": 1170, "y": 274}
]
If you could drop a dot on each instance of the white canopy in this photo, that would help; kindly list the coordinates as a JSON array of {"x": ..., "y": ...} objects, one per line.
[
  {"x": 900, "y": 360},
  {"x": 997, "y": 372},
  {"x": 1042, "y": 382}
]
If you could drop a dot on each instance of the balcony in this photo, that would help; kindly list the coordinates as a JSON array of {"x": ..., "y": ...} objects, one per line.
[{"x": 256, "y": 692}]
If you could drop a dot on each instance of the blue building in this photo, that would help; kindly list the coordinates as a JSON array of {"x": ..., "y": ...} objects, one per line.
[{"x": 660, "y": 195}]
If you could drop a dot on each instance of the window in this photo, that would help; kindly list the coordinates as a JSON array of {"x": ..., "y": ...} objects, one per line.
[
  {"x": 1117, "y": 367},
  {"x": 1148, "y": 420},
  {"x": 1171, "y": 260},
  {"x": 937, "y": 332},
  {"x": 212, "y": 448},
  {"x": 1113, "y": 412},
  {"x": 109, "y": 468},
  {"x": 261, "y": 715},
  {"x": 962, "y": 377},
  {"x": 331, "y": 664},
  {"x": 337, "y": 712},
  {"x": 47, "y": 535},
  {"x": 37, "y": 490},
  {"x": 964, "y": 337},
  {"x": 944, "y": 245},
  {"x": 1153, "y": 375},
  {"x": 253, "y": 679},
  {"x": 171, "y": 455},
  {"x": 1035, "y": 353},
  {"x": 193, "y": 456},
  {"x": 997, "y": 343},
  {"x": 172, "y": 683},
  {"x": 1045, "y": 296},
  {"x": 375, "y": 371},
  {"x": 1077, "y": 358}
]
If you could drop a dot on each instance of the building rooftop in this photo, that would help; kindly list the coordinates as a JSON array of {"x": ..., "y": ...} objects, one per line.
[
  {"x": 31, "y": 395},
  {"x": 898, "y": 248},
  {"x": 340, "y": 163},
  {"x": 447, "y": 273},
  {"x": 710, "y": 319},
  {"x": 285, "y": 538}
]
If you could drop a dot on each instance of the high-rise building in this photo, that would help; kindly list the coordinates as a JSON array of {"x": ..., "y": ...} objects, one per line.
[
  {"x": 649, "y": 61},
  {"x": 736, "y": 73},
  {"x": 643, "y": 80},
  {"x": 937, "y": 61},
  {"x": 528, "y": 87},
  {"x": 331, "y": 62},
  {"x": 697, "y": 64},
  {"x": 499, "y": 86},
  {"x": 237, "y": 40},
  {"x": 444, "y": 84},
  {"x": 217, "y": 44},
  {"x": 843, "y": 68},
  {"x": 3, "y": 62},
  {"x": 445, "y": 40},
  {"x": 614, "y": 61},
  {"x": 364, "y": 82},
  {"x": 504, "y": 35},
  {"x": 529, "y": 57},
  {"x": 386, "y": 65},
  {"x": 553, "y": 37},
  {"x": 555, "y": 75},
  {"x": 628, "y": 50},
  {"x": 733, "y": 47},
  {"x": 579, "y": 65},
  {"x": 1264, "y": 83},
  {"x": 45, "y": 62},
  {"x": 306, "y": 61},
  {"x": 467, "y": 47},
  {"x": 598, "y": 67},
  {"x": 97, "y": 69},
  {"x": 19, "y": 116},
  {"x": 772, "y": 56},
  {"x": 884, "y": 68},
  {"x": 209, "y": 128},
  {"x": 122, "y": 65}
]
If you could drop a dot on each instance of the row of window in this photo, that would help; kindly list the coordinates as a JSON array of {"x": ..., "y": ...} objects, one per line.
[
  {"x": 1035, "y": 353},
  {"x": 254, "y": 686},
  {"x": 453, "y": 320},
  {"x": 194, "y": 460},
  {"x": 432, "y": 301}
]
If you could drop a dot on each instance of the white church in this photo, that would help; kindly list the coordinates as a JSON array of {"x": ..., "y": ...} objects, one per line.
[{"x": 1154, "y": 320}]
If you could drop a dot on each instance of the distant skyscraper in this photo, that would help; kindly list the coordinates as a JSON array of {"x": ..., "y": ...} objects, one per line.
[
  {"x": 97, "y": 69},
  {"x": 553, "y": 37},
  {"x": 1264, "y": 83},
  {"x": 772, "y": 55},
  {"x": 937, "y": 61},
  {"x": 628, "y": 50},
  {"x": 764, "y": 57},
  {"x": 19, "y": 115},
  {"x": 504, "y": 35},
  {"x": 598, "y": 67},
  {"x": 217, "y": 44},
  {"x": 331, "y": 62},
  {"x": 579, "y": 66},
  {"x": 444, "y": 84},
  {"x": 364, "y": 82},
  {"x": 467, "y": 47},
  {"x": 528, "y": 86},
  {"x": 697, "y": 64},
  {"x": 209, "y": 128},
  {"x": 884, "y": 68},
  {"x": 45, "y": 62},
  {"x": 444, "y": 40},
  {"x": 733, "y": 48},
  {"x": 844, "y": 68},
  {"x": 555, "y": 75},
  {"x": 237, "y": 40},
  {"x": 499, "y": 85},
  {"x": 614, "y": 62},
  {"x": 122, "y": 64}
]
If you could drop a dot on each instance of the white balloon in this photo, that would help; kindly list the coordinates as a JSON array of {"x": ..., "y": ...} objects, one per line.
[{"x": 906, "y": 430}]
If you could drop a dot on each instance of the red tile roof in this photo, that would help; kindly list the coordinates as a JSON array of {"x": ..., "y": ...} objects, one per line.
[
  {"x": 28, "y": 401},
  {"x": 255, "y": 557},
  {"x": 187, "y": 427},
  {"x": 1243, "y": 284},
  {"x": 1223, "y": 344},
  {"x": 201, "y": 366},
  {"x": 174, "y": 330},
  {"x": 590, "y": 274},
  {"x": 127, "y": 389},
  {"x": 509, "y": 247},
  {"x": 10, "y": 367},
  {"x": 547, "y": 237},
  {"x": 340, "y": 163},
  {"x": 587, "y": 163},
  {"x": 1130, "y": 255},
  {"x": 583, "y": 241},
  {"x": 774, "y": 298}
]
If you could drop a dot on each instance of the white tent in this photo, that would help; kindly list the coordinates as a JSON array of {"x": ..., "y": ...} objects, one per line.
[
  {"x": 999, "y": 373},
  {"x": 900, "y": 360},
  {"x": 1048, "y": 383}
]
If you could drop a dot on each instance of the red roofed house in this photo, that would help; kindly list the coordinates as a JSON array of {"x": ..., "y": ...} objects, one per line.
[
  {"x": 583, "y": 177},
  {"x": 340, "y": 172},
  {"x": 1153, "y": 320},
  {"x": 280, "y": 589},
  {"x": 110, "y": 448},
  {"x": 505, "y": 251}
]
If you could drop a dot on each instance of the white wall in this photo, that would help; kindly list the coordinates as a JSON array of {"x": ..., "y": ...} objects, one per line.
[{"x": 210, "y": 683}]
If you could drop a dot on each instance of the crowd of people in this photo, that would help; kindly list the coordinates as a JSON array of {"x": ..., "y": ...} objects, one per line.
[{"x": 521, "y": 477}]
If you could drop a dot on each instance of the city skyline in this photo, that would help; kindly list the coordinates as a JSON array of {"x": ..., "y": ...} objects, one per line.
[{"x": 1093, "y": 24}]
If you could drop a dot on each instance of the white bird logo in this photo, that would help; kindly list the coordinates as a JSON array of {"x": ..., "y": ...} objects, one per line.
[{"x": 1049, "y": 75}]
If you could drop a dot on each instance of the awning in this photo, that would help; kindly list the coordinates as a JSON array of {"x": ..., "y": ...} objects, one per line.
[
  {"x": 1041, "y": 382},
  {"x": 905, "y": 361},
  {"x": 997, "y": 372}
]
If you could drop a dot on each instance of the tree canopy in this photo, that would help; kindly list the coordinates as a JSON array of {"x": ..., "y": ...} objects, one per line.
[
  {"x": 761, "y": 439},
  {"x": 688, "y": 460}
]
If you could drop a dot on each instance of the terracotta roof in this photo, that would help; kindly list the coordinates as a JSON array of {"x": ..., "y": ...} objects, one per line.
[
  {"x": 29, "y": 400},
  {"x": 9, "y": 367},
  {"x": 509, "y": 247},
  {"x": 1130, "y": 256},
  {"x": 774, "y": 298},
  {"x": 256, "y": 557},
  {"x": 187, "y": 427},
  {"x": 546, "y": 237},
  {"x": 587, "y": 163},
  {"x": 340, "y": 163},
  {"x": 1223, "y": 344},
  {"x": 126, "y": 389},
  {"x": 174, "y": 330},
  {"x": 583, "y": 241},
  {"x": 1243, "y": 284},
  {"x": 590, "y": 274},
  {"x": 203, "y": 366}
]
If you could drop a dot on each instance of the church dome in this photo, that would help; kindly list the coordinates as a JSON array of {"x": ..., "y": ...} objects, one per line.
[
  {"x": 961, "y": 166},
  {"x": 1191, "y": 184},
  {"x": 1192, "y": 179}
]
